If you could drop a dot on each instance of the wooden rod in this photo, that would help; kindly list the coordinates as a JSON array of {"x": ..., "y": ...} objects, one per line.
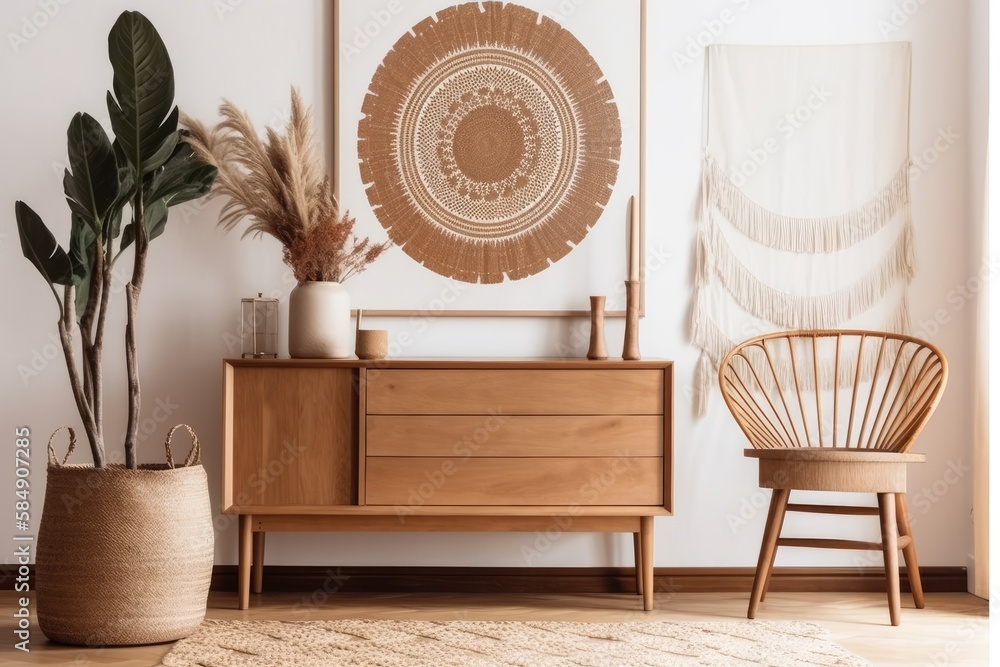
[
  {"x": 818, "y": 543},
  {"x": 834, "y": 509}
]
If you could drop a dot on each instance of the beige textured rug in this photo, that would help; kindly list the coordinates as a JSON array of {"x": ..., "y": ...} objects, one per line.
[{"x": 379, "y": 643}]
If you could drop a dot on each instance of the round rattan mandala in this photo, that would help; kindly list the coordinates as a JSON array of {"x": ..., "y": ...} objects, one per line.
[{"x": 490, "y": 142}]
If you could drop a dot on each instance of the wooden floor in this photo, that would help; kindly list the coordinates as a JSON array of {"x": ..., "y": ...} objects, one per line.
[{"x": 953, "y": 629}]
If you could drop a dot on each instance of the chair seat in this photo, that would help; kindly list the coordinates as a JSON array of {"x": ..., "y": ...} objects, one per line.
[
  {"x": 830, "y": 469},
  {"x": 834, "y": 454}
]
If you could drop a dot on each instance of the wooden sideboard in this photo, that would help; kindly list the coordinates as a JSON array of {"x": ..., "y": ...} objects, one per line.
[{"x": 446, "y": 445}]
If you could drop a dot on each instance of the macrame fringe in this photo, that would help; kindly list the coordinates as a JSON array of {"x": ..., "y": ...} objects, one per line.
[
  {"x": 713, "y": 256},
  {"x": 805, "y": 235},
  {"x": 703, "y": 380},
  {"x": 807, "y": 312},
  {"x": 702, "y": 265}
]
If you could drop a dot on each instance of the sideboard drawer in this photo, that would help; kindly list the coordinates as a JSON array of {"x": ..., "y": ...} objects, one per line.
[
  {"x": 524, "y": 392},
  {"x": 514, "y": 481},
  {"x": 500, "y": 435}
]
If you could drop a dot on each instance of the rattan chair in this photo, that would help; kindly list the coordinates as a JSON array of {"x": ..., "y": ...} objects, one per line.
[{"x": 835, "y": 411}]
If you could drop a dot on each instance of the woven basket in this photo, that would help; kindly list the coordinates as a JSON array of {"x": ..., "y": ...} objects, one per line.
[{"x": 124, "y": 556}]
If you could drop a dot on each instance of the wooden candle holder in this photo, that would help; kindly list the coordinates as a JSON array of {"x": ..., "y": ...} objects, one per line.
[
  {"x": 630, "y": 351},
  {"x": 598, "y": 347}
]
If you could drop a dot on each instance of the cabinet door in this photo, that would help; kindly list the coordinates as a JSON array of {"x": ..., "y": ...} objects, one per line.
[{"x": 294, "y": 435}]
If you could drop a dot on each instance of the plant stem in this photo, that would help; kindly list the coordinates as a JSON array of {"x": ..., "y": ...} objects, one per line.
[
  {"x": 132, "y": 291},
  {"x": 66, "y": 338},
  {"x": 91, "y": 356},
  {"x": 97, "y": 351}
]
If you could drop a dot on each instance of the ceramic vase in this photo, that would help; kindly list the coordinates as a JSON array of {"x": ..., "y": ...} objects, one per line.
[{"x": 319, "y": 321}]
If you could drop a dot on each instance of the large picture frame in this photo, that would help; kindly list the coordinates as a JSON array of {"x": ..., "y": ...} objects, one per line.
[{"x": 398, "y": 285}]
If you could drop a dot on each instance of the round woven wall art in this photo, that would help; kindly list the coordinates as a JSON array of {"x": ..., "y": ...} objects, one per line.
[{"x": 490, "y": 142}]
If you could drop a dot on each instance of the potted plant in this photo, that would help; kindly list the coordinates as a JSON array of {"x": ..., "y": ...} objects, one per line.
[
  {"x": 279, "y": 184},
  {"x": 124, "y": 551}
]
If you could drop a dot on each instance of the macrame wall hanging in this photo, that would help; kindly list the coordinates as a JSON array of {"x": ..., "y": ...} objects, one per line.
[
  {"x": 805, "y": 196},
  {"x": 490, "y": 142}
]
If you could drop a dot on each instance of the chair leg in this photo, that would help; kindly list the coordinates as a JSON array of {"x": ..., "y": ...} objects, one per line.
[
  {"x": 780, "y": 518},
  {"x": 768, "y": 545},
  {"x": 637, "y": 548},
  {"x": 909, "y": 552},
  {"x": 890, "y": 551}
]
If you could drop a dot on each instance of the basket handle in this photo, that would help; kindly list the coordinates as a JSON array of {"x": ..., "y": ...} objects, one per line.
[
  {"x": 53, "y": 459},
  {"x": 193, "y": 457}
]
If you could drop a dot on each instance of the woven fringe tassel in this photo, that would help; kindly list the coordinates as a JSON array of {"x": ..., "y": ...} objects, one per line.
[
  {"x": 807, "y": 312},
  {"x": 910, "y": 251},
  {"x": 702, "y": 264},
  {"x": 702, "y": 268},
  {"x": 805, "y": 235},
  {"x": 702, "y": 381},
  {"x": 900, "y": 322}
]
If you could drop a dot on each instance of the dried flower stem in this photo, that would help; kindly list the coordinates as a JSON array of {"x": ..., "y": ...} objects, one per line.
[{"x": 279, "y": 183}]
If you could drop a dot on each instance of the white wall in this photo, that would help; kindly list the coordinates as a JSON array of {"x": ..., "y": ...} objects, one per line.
[{"x": 197, "y": 275}]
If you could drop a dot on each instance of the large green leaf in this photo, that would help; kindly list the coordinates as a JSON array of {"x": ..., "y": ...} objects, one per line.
[
  {"x": 126, "y": 190},
  {"x": 82, "y": 244},
  {"x": 92, "y": 186},
  {"x": 40, "y": 247},
  {"x": 182, "y": 178},
  {"x": 156, "y": 219},
  {"x": 141, "y": 109}
]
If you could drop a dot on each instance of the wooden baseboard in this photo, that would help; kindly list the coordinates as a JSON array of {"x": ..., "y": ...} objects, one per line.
[
  {"x": 581, "y": 580},
  {"x": 568, "y": 580}
]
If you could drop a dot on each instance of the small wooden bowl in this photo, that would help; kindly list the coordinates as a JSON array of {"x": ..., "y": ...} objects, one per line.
[{"x": 372, "y": 343}]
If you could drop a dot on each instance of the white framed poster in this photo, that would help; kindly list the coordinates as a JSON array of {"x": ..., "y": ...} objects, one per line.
[{"x": 496, "y": 145}]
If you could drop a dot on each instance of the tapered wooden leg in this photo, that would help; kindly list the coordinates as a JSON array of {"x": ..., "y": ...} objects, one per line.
[
  {"x": 909, "y": 552},
  {"x": 774, "y": 553},
  {"x": 890, "y": 552},
  {"x": 257, "y": 569},
  {"x": 768, "y": 545},
  {"x": 637, "y": 550},
  {"x": 246, "y": 558},
  {"x": 646, "y": 560}
]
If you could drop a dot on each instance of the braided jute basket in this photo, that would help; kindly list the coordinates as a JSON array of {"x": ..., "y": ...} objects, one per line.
[{"x": 124, "y": 556}]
